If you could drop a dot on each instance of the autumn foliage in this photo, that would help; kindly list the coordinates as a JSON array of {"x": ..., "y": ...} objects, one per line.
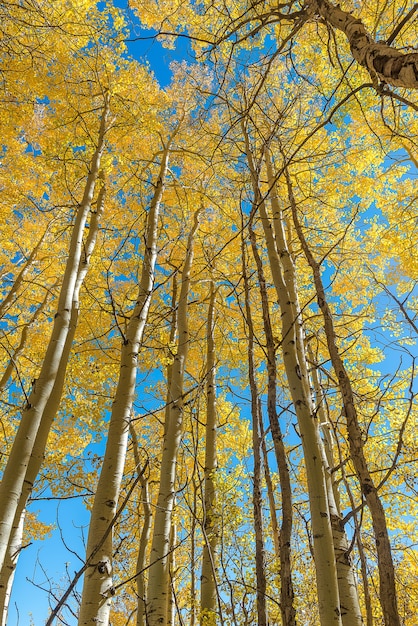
[{"x": 209, "y": 308}]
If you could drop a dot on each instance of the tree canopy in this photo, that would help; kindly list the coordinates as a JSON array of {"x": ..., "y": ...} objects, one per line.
[{"x": 209, "y": 309}]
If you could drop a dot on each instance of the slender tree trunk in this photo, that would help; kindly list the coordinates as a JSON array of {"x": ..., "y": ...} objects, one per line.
[
  {"x": 193, "y": 524},
  {"x": 145, "y": 533},
  {"x": 171, "y": 599},
  {"x": 257, "y": 496},
  {"x": 347, "y": 584},
  {"x": 208, "y": 586},
  {"x": 98, "y": 587},
  {"x": 362, "y": 554},
  {"x": 52, "y": 405},
  {"x": 275, "y": 532},
  {"x": 388, "y": 596},
  {"x": 14, "y": 476},
  {"x": 158, "y": 571},
  {"x": 286, "y": 588},
  {"x": 284, "y": 278}
]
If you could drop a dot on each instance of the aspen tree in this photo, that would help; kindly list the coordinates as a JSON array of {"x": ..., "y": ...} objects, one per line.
[
  {"x": 34, "y": 411},
  {"x": 171, "y": 609},
  {"x": 349, "y": 604},
  {"x": 145, "y": 532},
  {"x": 9, "y": 568},
  {"x": 347, "y": 584},
  {"x": 158, "y": 576},
  {"x": 52, "y": 405},
  {"x": 98, "y": 586},
  {"x": 262, "y": 618},
  {"x": 284, "y": 549},
  {"x": 208, "y": 584},
  {"x": 388, "y": 596},
  {"x": 294, "y": 360}
]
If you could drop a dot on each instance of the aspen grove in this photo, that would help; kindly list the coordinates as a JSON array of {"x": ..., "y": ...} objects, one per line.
[{"x": 209, "y": 311}]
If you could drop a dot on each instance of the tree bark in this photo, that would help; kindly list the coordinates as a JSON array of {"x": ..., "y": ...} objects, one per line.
[
  {"x": 145, "y": 532},
  {"x": 287, "y": 608},
  {"x": 9, "y": 568},
  {"x": 347, "y": 584},
  {"x": 385, "y": 62},
  {"x": 158, "y": 576},
  {"x": 52, "y": 405}
]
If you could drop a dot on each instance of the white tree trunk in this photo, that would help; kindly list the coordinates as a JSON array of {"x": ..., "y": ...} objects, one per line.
[
  {"x": 145, "y": 532},
  {"x": 282, "y": 539},
  {"x": 294, "y": 360},
  {"x": 347, "y": 584},
  {"x": 14, "y": 475},
  {"x": 260, "y": 574},
  {"x": 52, "y": 405},
  {"x": 98, "y": 586},
  {"x": 158, "y": 572},
  {"x": 388, "y": 597}
]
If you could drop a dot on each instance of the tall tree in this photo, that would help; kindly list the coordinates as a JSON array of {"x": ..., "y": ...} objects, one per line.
[
  {"x": 208, "y": 582},
  {"x": 158, "y": 585},
  {"x": 98, "y": 586},
  {"x": 34, "y": 411}
]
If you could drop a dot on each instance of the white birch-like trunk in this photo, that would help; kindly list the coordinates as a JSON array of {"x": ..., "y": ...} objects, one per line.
[
  {"x": 284, "y": 278},
  {"x": 208, "y": 586},
  {"x": 14, "y": 476},
  {"x": 387, "y": 585},
  {"x": 98, "y": 582},
  {"x": 347, "y": 584},
  {"x": 52, "y": 405},
  {"x": 158, "y": 572},
  {"x": 284, "y": 538},
  {"x": 171, "y": 599}
]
